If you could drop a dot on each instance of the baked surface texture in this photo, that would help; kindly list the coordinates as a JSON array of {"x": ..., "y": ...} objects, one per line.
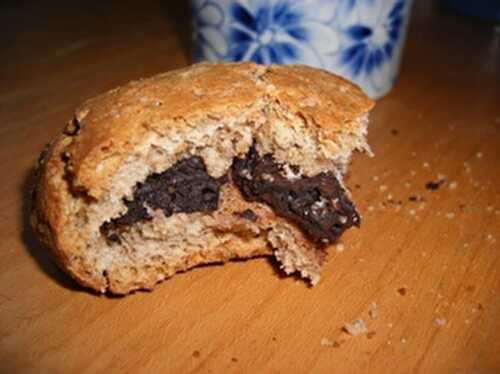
[{"x": 309, "y": 121}]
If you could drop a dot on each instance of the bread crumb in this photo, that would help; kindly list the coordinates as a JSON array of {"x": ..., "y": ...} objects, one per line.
[
  {"x": 371, "y": 208},
  {"x": 196, "y": 354},
  {"x": 440, "y": 321},
  {"x": 325, "y": 342},
  {"x": 467, "y": 321},
  {"x": 414, "y": 154},
  {"x": 390, "y": 325},
  {"x": 453, "y": 185},
  {"x": 234, "y": 359},
  {"x": 479, "y": 154},
  {"x": 413, "y": 173},
  {"x": 340, "y": 247},
  {"x": 441, "y": 177},
  {"x": 450, "y": 215},
  {"x": 412, "y": 212},
  {"x": 407, "y": 184},
  {"x": 489, "y": 208},
  {"x": 402, "y": 291},
  {"x": 403, "y": 340},
  {"x": 467, "y": 167},
  {"x": 433, "y": 186},
  {"x": 383, "y": 187},
  {"x": 375, "y": 178},
  {"x": 371, "y": 334},
  {"x": 426, "y": 165},
  {"x": 357, "y": 327},
  {"x": 373, "y": 311}
]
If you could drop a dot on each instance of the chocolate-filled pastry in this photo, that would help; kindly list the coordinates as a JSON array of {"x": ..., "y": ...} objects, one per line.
[{"x": 200, "y": 165}]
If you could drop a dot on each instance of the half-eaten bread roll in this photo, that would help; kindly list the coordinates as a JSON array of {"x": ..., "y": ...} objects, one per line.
[{"x": 200, "y": 165}]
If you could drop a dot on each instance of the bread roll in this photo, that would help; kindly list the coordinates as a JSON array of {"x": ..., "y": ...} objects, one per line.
[{"x": 204, "y": 164}]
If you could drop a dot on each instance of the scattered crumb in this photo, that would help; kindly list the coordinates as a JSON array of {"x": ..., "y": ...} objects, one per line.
[
  {"x": 470, "y": 288},
  {"x": 234, "y": 359},
  {"x": 407, "y": 184},
  {"x": 467, "y": 167},
  {"x": 402, "y": 291},
  {"x": 394, "y": 132},
  {"x": 453, "y": 185},
  {"x": 450, "y": 215},
  {"x": 371, "y": 334},
  {"x": 325, "y": 342},
  {"x": 433, "y": 186},
  {"x": 383, "y": 187},
  {"x": 479, "y": 154},
  {"x": 467, "y": 321},
  {"x": 489, "y": 209},
  {"x": 274, "y": 338},
  {"x": 412, "y": 212},
  {"x": 413, "y": 173},
  {"x": 441, "y": 177},
  {"x": 358, "y": 186},
  {"x": 390, "y": 197},
  {"x": 340, "y": 247},
  {"x": 371, "y": 208},
  {"x": 389, "y": 342},
  {"x": 373, "y": 311},
  {"x": 480, "y": 307},
  {"x": 415, "y": 198},
  {"x": 426, "y": 165},
  {"x": 390, "y": 325},
  {"x": 375, "y": 178},
  {"x": 403, "y": 340},
  {"x": 356, "y": 327},
  {"x": 466, "y": 245},
  {"x": 440, "y": 321},
  {"x": 414, "y": 154},
  {"x": 196, "y": 354}
]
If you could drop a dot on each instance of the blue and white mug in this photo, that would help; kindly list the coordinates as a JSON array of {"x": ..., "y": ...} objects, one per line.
[{"x": 361, "y": 40}]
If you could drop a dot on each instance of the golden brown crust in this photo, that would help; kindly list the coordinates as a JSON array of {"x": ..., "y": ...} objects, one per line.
[
  {"x": 329, "y": 101},
  {"x": 109, "y": 122}
]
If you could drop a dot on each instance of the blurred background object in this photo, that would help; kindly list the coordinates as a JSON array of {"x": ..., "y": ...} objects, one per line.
[
  {"x": 485, "y": 9},
  {"x": 360, "y": 40}
]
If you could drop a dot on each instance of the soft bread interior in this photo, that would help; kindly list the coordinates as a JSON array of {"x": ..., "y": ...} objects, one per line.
[{"x": 151, "y": 251}]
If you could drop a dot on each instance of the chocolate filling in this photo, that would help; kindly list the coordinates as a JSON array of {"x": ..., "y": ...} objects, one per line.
[
  {"x": 184, "y": 187},
  {"x": 318, "y": 204}
]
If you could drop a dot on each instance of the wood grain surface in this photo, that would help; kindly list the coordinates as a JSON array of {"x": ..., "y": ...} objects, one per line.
[{"x": 423, "y": 272}]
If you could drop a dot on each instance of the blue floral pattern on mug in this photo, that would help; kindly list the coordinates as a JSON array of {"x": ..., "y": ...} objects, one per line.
[{"x": 358, "y": 39}]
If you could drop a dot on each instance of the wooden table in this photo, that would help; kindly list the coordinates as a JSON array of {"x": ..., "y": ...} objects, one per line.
[{"x": 424, "y": 275}]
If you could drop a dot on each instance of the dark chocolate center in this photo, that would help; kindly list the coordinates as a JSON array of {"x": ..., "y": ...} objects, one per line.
[
  {"x": 184, "y": 187},
  {"x": 318, "y": 204}
]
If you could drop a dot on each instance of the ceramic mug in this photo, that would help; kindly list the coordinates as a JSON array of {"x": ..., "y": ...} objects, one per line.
[{"x": 361, "y": 40}]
